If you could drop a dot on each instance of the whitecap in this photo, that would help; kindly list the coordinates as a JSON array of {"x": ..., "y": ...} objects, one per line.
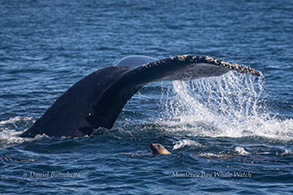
[
  {"x": 9, "y": 134},
  {"x": 15, "y": 120},
  {"x": 287, "y": 152},
  {"x": 186, "y": 142},
  {"x": 241, "y": 151}
]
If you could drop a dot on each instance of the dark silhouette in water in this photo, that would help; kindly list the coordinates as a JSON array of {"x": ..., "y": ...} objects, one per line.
[{"x": 97, "y": 99}]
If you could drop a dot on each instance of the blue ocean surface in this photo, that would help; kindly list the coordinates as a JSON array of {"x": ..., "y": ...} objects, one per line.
[{"x": 231, "y": 134}]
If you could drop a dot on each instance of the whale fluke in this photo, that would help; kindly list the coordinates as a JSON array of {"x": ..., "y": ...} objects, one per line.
[{"x": 97, "y": 99}]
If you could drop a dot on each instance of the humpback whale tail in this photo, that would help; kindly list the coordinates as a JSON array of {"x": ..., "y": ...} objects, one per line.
[{"x": 97, "y": 99}]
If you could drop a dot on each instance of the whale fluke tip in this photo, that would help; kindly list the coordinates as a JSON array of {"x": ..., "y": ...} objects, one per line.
[{"x": 211, "y": 60}]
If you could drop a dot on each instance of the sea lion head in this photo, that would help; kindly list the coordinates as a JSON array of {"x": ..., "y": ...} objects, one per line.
[{"x": 159, "y": 149}]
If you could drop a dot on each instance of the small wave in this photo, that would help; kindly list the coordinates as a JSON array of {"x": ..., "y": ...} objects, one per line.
[
  {"x": 287, "y": 152},
  {"x": 209, "y": 155},
  {"x": 8, "y": 133},
  {"x": 9, "y": 137},
  {"x": 16, "y": 120},
  {"x": 241, "y": 151},
  {"x": 186, "y": 142}
]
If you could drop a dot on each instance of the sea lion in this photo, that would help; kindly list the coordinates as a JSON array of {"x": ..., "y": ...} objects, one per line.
[{"x": 159, "y": 149}]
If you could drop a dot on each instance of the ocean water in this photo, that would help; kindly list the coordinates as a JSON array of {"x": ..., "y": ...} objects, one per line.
[{"x": 231, "y": 134}]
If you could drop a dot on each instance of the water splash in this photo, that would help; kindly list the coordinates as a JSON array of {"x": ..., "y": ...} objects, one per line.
[
  {"x": 231, "y": 105},
  {"x": 186, "y": 142},
  {"x": 8, "y": 133},
  {"x": 241, "y": 151}
]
